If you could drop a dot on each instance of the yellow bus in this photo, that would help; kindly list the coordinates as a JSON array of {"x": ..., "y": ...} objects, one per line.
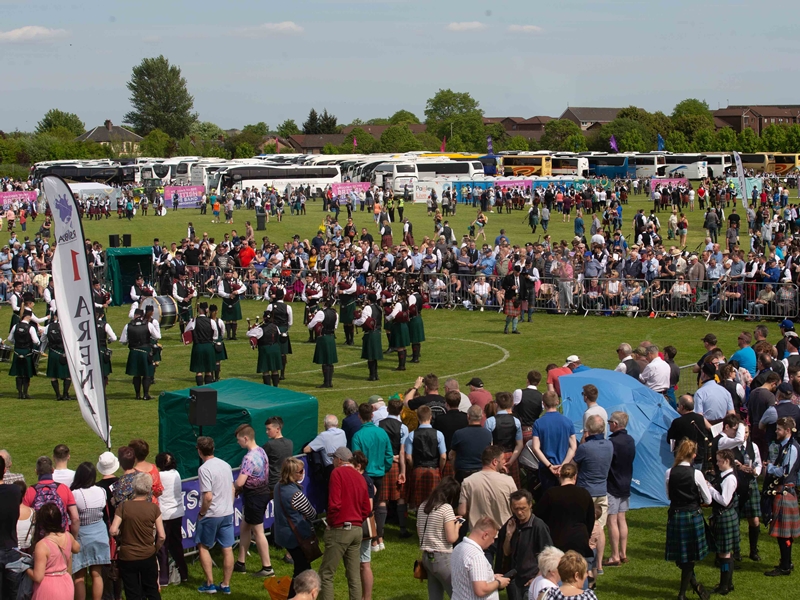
[
  {"x": 526, "y": 165},
  {"x": 760, "y": 162},
  {"x": 786, "y": 163}
]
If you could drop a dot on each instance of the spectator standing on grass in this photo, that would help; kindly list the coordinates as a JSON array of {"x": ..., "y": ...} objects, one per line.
[
  {"x": 10, "y": 498},
  {"x": 553, "y": 441},
  {"x": 8, "y": 476},
  {"x": 52, "y": 557},
  {"x": 374, "y": 442},
  {"x": 471, "y": 572},
  {"x": 467, "y": 445},
  {"x": 438, "y": 529},
  {"x": 172, "y": 511},
  {"x": 619, "y": 487},
  {"x": 95, "y": 552},
  {"x": 351, "y": 422},
  {"x": 46, "y": 485},
  {"x": 278, "y": 448},
  {"x": 61, "y": 472}
]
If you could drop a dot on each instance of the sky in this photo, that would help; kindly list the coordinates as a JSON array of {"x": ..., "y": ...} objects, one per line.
[{"x": 248, "y": 61}]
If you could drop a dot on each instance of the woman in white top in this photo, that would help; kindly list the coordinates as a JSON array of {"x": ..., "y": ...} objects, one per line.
[
  {"x": 548, "y": 572},
  {"x": 93, "y": 535},
  {"x": 172, "y": 511},
  {"x": 438, "y": 527},
  {"x": 24, "y": 522}
]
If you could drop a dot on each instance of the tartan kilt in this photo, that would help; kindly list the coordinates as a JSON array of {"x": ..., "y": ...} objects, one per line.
[
  {"x": 139, "y": 364},
  {"x": 391, "y": 490},
  {"x": 527, "y": 435},
  {"x": 386, "y": 240},
  {"x": 55, "y": 370},
  {"x": 269, "y": 359},
  {"x": 786, "y": 521},
  {"x": 387, "y": 329},
  {"x": 156, "y": 351},
  {"x": 510, "y": 310},
  {"x": 399, "y": 337},
  {"x": 185, "y": 313},
  {"x": 725, "y": 526},
  {"x": 416, "y": 330},
  {"x": 105, "y": 361},
  {"x": 231, "y": 312},
  {"x": 14, "y": 320},
  {"x": 325, "y": 350},
  {"x": 423, "y": 481},
  {"x": 686, "y": 537},
  {"x": 513, "y": 470},
  {"x": 286, "y": 343},
  {"x": 220, "y": 350},
  {"x": 449, "y": 470},
  {"x": 204, "y": 358},
  {"x": 347, "y": 310},
  {"x": 372, "y": 345},
  {"x": 750, "y": 502},
  {"x": 22, "y": 363}
]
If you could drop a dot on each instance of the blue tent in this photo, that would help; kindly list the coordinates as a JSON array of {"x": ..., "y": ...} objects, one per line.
[{"x": 649, "y": 418}]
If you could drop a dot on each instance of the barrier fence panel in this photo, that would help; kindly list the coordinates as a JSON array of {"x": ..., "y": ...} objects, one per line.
[
  {"x": 687, "y": 384},
  {"x": 612, "y": 296}
]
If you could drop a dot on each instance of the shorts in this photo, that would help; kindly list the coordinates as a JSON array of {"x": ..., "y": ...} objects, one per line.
[
  {"x": 215, "y": 213},
  {"x": 602, "y": 502},
  {"x": 210, "y": 531},
  {"x": 618, "y": 505},
  {"x": 366, "y": 551},
  {"x": 255, "y": 507}
]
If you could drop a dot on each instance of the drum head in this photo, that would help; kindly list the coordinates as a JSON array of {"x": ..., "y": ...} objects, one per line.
[{"x": 151, "y": 301}]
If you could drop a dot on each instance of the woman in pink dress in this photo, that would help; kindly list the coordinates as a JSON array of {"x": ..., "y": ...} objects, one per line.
[{"x": 52, "y": 557}]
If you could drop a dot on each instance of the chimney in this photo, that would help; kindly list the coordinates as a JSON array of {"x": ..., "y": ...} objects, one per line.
[{"x": 108, "y": 124}]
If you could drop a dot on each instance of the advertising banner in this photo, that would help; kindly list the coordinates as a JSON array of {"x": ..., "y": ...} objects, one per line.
[
  {"x": 345, "y": 188},
  {"x": 666, "y": 182},
  {"x": 8, "y": 198},
  {"x": 188, "y": 195},
  {"x": 751, "y": 183}
]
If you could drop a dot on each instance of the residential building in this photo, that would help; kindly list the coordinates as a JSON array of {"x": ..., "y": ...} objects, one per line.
[
  {"x": 586, "y": 117},
  {"x": 757, "y": 118},
  {"x": 123, "y": 140}
]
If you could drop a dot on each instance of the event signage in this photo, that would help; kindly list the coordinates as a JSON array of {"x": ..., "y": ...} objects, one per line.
[
  {"x": 8, "y": 198},
  {"x": 73, "y": 290},
  {"x": 347, "y": 187},
  {"x": 666, "y": 182},
  {"x": 741, "y": 177},
  {"x": 513, "y": 183},
  {"x": 188, "y": 195}
]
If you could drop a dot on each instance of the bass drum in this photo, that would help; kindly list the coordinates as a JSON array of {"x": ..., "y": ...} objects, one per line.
[
  {"x": 6, "y": 352},
  {"x": 165, "y": 309}
]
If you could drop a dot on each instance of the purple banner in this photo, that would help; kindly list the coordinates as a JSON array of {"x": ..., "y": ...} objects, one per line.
[
  {"x": 345, "y": 188},
  {"x": 7, "y": 198},
  {"x": 664, "y": 182},
  {"x": 192, "y": 499},
  {"x": 188, "y": 195}
]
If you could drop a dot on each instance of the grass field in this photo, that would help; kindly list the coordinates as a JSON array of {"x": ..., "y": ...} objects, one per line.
[{"x": 460, "y": 344}]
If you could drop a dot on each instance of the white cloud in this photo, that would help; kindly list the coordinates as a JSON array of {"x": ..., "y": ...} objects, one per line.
[
  {"x": 31, "y": 33},
  {"x": 525, "y": 29},
  {"x": 282, "y": 28},
  {"x": 466, "y": 26}
]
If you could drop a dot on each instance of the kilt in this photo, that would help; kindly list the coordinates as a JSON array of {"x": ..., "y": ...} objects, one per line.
[
  {"x": 185, "y": 313},
  {"x": 156, "y": 351},
  {"x": 750, "y": 501},
  {"x": 416, "y": 330},
  {"x": 220, "y": 350},
  {"x": 786, "y": 520},
  {"x": 423, "y": 481},
  {"x": 372, "y": 345},
  {"x": 386, "y": 241},
  {"x": 14, "y": 320},
  {"x": 231, "y": 312},
  {"x": 527, "y": 434},
  {"x": 513, "y": 470},
  {"x": 286, "y": 343},
  {"x": 510, "y": 310},
  {"x": 686, "y": 537},
  {"x": 449, "y": 470},
  {"x": 55, "y": 370},
  {"x": 204, "y": 358},
  {"x": 139, "y": 364},
  {"x": 399, "y": 337},
  {"x": 105, "y": 361},
  {"x": 387, "y": 329},
  {"x": 269, "y": 359},
  {"x": 391, "y": 490},
  {"x": 725, "y": 526},
  {"x": 325, "y": 350},
  {"x": 22, "y": 363},
  {"x": 347, "y": 310}
]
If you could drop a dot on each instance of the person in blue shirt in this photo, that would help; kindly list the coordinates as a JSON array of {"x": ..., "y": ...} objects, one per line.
[
  {"x": 772, "y": 272},
  {"x": 487, "y": 263},
  {"x": 426, "y": 453},
  {"x": 745, "y": 355},
  {"x": 351, "y": 422},
  {"x": 507, "y": 433},
  {"x": 553, "y": 442},
  {"x": 501, "y": 238},
  {"x": 578, "y": 225}
]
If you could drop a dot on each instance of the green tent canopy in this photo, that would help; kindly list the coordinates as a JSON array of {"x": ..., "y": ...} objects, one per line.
[
  {"x": 238, "y": 402},
  {"x": 123, "y": 265}
]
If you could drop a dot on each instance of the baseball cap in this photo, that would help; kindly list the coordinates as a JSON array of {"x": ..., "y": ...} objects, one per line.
[
  {"x": 572, "y": 358},
  {"x": 374, "y": 399},
  {"x": 709, "y": 338},
  {"x": 343, "y": 453},
  {"x": 786, "y": 388},
  {"x": 787, "y": 324},
  {"x": 476, "y": 382}
]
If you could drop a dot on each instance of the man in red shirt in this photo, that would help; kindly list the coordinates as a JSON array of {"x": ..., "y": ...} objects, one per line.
[
  {"x": 348, "y": 507},
  {"x": 553, "y": 373},
  {"x": 247, "y": 254},
  {"x": 477, "y": 394},
  {"x": 44, "y": 471}
]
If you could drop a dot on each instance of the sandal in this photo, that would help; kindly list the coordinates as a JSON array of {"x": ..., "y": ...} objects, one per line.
[
  {"x": 612, "y": 563},
  {"x": 623, "y": 559}
]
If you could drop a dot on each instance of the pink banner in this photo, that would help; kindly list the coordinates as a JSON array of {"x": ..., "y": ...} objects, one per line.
[
  {"x": 345, "y": 188},
  {"x": 7, "y": 198},
  {"x": 663, "y": 182},
  {"x": 188, "y": 195},
  {"x": 512, "y": 183}
]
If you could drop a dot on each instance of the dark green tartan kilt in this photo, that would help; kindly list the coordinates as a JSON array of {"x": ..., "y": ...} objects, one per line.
[
  {"x": 416, "y": 330},
  {"x": 387, "y": 329},
  {"x": 750, "y": 501},
  {"x": 156, "y": 351},
  {"x": 220, "y": 350},
  {"x": 786, "y": 514},
  {"x": 55, "y": 370},
  {"x": 204, "y": 358},
  {"x": 286, "y": 343},
  {"x": 725, "y": 526},
  {"x": 325, "y": 351},
  {"x": 14, "y": 320},
  {"x": 231, "y": 312},
  {"x": 372, "y": 345},
  {"x": 269, "y": 359},
  {"x": 22, "y": 363},
  {"x": 686, "y": 537},
  {"x": 185, "y": 313},
  {"x": 399, "y": 337},
  {"x": 105, "y": 362},
  {"x": 347, "y": 311},
  {"x": 139, "y": 364}
]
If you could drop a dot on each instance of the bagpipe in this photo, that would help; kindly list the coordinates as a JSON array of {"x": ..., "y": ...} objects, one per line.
[
  {"x": 148, "y": 290},
  {"x": 253, "y": 340}
]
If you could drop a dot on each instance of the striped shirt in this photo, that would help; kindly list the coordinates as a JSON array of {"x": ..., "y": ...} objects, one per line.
[
  {"x": 430, "y": 528},
  {"x": 468, "y": 564}
]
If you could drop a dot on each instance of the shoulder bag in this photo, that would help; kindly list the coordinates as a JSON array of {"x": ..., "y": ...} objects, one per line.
[
  {"x": 420, "y": 572},
  {"x": 310, "y": 545}
]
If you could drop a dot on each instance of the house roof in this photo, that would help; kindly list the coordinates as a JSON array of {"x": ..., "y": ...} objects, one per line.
[
  {"x": 595, "y": 114},
  {"x": 540, "y": 119},
  {"x": 731, "y": 111},
  {"x": 376, "y": 131},
  {"x": 759, "y": 110},
  {"x": 107, "y": 134},
  {"x": 720, "y": 123},
  {"x": 302, "y": 141}
]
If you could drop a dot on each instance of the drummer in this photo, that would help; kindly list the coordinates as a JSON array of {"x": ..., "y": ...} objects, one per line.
[
  {"x": 204, "y": 333},
  {"x": 16, "y": 303},
  {"x": 183, "y": 294},
  {"x": 105, "y": 335},
  {"x": 325, "y": 351},
  {"x": 312, "y": 293},
  {"x": 138, "y": 292},
  {"x": 267, "y": 336},
  {"x": 371, "y": 345},
  {"x": 219, "y": 343},
  {"x": 25, "y": 337},
  {"x": 282, "y": 317},
  {"x": 149, "y": 317},
  {"x": 230, "y": 289},
  {"x": 137, "y": 335},
  {"x": 57, "y": 367}
]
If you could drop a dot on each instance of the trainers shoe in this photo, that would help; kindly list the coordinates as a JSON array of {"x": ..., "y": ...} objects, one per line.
[
  {"x": 239, "y": 567},
  {"x": 383, "y": 546},
  {"x": 208, "y": 589},
  {"x": 224, "y": 589},
  {"x": 265, "y": 572},
  {"x": 375, "y": 548}
]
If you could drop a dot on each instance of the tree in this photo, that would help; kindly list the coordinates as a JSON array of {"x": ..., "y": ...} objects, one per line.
[
  {"x": 632, "y": 141},
  {"x": 327, "y": 123},
  {"x": 206, "y": 130},
  {"x": 366, "y": 143},
  {"x": 773, "y": 138},
  {"x": 312, "y": 126},
  {"x": 639, "y": 139},
  {"x": 499, "y": 138},
  {"x": 452, "y": 114},
  {"x": 517, "y": 142},
  {"x": 429, "y": 142},
  {"x": 792, "y": 141},
  {"x": 677, "y": 142},
  {"x": 403, "y": 116},
  {"x": 260, "y": 129},
  {"x": 155, "y": 143},
  {"x": 55, "y": 118},
  {"x": 574, "y": 143},
  {"x": 375, "y": 121},
  {"x": 705, "y": 141},
  {"x": 726, "y": 140},
  {"x": 557, "y": 132},
  {"x": 690, "y": 125},
  {"x": 693, "y": 107},
  {"x": 248, "y": 139},
  {"x": 160, "y": 99},
  {"x": 748, "y": 141},
  {"x": 357, "y": 123},
  {"x": 399, "y": 138},
  {"x": 244, "y": 150},
  {"x": 288, "y": 128}
]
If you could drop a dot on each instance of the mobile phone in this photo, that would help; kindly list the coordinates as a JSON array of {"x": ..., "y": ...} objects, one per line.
[{"x": 511, "y": 574}]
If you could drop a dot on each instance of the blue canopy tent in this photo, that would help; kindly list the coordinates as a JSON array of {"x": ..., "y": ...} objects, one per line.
[{"x": 649, "y": 418}]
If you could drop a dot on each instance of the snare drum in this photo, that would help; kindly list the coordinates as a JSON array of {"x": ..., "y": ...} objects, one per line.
[
  {"x": 6, "y": 352},
  {"x": 165, "y": 309}
]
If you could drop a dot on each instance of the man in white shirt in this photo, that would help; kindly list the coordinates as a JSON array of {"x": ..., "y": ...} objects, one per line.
[
  {"x": 472, "y": 575},
  {"x": 62, "y": 474},
  {"x": 481, "y": 290},
  {"x": 329, "y": 440},
  {"x": 590, "y": 394},
  {"x": 656, "y": 374},
  {"x": 451, "y": 385},
  {"x": 379, "y": 410}
]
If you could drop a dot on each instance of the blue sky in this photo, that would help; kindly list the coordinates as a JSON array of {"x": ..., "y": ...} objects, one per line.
[{"x": 249, "y": 61}]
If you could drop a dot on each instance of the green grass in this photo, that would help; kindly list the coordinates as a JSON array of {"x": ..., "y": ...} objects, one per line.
[{"x": 459, "y": 344}]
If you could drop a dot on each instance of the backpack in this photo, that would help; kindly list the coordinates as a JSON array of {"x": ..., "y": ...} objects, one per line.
[{"x": 48, "y": 493}]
